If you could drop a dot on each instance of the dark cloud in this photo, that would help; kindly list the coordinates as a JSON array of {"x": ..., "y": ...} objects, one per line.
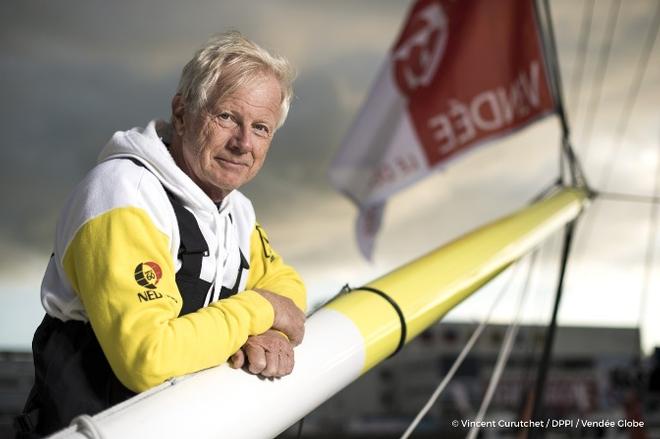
[
  {"x": 56, "y": 118},
  {"x": 73, "y": 73}
]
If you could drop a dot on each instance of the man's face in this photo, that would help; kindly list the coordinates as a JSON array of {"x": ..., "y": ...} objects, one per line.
[{"x": 225, "y": 144}]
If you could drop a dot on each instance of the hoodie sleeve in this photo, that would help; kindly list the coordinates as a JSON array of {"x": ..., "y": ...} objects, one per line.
[
  {"x": 119, "y": 264},
  {"x": 268, "y": 271}
]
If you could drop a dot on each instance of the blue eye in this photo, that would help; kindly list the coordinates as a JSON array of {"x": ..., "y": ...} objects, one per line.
[
  {"x": 225, "y": 119},
  {"x": 261, "y": 130}
]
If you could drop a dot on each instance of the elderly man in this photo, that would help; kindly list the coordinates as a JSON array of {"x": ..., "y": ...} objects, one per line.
[{"x": 160, "y": 268}]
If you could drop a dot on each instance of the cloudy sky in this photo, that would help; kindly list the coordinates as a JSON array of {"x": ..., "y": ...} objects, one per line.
[{"x": 75, "y": 72}]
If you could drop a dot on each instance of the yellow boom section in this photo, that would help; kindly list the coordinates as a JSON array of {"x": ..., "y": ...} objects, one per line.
[{"x": 428, "y": 287}]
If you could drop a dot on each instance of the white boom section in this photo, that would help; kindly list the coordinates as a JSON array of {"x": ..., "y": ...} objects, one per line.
[{"x": 226, "y": 403}]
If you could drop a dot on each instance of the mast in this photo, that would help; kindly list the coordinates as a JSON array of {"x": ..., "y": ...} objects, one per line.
[{"x": 577, "y": 178}]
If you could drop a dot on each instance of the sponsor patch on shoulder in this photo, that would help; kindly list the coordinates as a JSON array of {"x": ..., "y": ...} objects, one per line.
[{"x": 148, "y": 274}]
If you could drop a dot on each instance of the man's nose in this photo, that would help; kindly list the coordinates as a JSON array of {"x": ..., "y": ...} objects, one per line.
[{"x": 243, "y": 138}]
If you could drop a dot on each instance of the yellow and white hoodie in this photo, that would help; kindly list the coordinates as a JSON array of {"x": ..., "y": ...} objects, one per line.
[{"x": 115, "y": 261}]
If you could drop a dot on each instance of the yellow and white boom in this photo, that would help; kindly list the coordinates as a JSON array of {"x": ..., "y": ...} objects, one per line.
[{"x": 343, "y": 339}]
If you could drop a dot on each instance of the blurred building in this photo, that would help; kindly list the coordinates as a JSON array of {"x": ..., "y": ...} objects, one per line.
[
  {"x": 16, "y": 377},
  {"x": 595, "y": 374}
]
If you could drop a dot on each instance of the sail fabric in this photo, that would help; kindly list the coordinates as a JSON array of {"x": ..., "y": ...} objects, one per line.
[{"x": 460, "y": 74}]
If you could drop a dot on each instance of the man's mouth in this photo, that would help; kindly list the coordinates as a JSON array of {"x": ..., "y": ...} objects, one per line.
[{"x": 230, "y": 162}]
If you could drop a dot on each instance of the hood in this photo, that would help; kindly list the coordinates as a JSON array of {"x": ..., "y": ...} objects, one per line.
[{"x": 146, "y": 145}]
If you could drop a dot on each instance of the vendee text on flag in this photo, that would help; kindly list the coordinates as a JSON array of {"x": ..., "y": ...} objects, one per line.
[
  {"x": 460, "y": 74},
  {"x": 488, "y": 112}
]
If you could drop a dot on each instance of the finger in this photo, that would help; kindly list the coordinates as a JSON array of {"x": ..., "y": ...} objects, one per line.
[
  {"x": 293, "y": 325},
  {"x": 237, "y": 360},
  {"x": 299, "y": 325},
  {"x": 272, "y": 364},
  {"x": 297, "y": 334},
  {"x": 285, "y": 354},
  {"x": 286, "y": 363},
  {"x": 256, "y": 358}
]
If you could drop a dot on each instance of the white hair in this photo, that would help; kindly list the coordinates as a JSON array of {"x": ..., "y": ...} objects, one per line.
[{"x": 227, "y": 62}]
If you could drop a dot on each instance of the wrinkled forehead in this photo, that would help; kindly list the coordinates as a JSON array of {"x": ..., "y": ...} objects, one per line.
[
  {"x": 258, "y": 98},
  {"x": 233, "y": 82}
]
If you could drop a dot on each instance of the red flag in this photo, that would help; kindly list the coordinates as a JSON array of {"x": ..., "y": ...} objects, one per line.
[{"x": 460, "y": 73}]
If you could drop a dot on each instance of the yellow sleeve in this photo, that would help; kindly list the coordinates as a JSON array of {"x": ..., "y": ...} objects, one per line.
[
  {"x": 120, "y": 266},
  {"x": 268, "y": 271}
]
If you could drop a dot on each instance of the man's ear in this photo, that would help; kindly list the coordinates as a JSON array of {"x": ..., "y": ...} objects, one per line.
[{"x": 178, "y": 113}]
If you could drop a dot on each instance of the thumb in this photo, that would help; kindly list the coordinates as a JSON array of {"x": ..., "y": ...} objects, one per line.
[{"x": 237, "y": 360}]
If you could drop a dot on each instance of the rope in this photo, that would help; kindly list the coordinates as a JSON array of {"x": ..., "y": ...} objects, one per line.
[
  {"x": 640, "y": 71},
  {"x": 503, "y": 356},
  {"x": 461, "y": 356},
  {"x": 603, "y": 59},
  {"x": 399, "y": 313}
]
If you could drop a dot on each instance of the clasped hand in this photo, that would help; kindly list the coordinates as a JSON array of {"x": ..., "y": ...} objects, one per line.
[{"x": 270, "y": 354}]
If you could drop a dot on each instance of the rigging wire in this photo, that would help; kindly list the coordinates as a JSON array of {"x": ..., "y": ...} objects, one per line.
[
  {"x": 631, "y": 99},
  {"x": 649, "y": 258},
  {"x": 581, "y": 54},
  {"x": 632, "y": 198},
  {"x": 461, "y": 356},
  {"x": 567, "y": 153},
  {"x": 595, "y": 98},
  {"x": 548, "y": 189},
  {"x": 552, "y": 327},
  {"x": 549, "y": 48},
  {"x": 642, "y": 64},
  {"x": 619, "y": 134},
  {"x": 505, "y": 351},
  {"x": 601, "y": 70},
  {"x": 587, "y": 226},
  {"x": 533, "y": 354}
]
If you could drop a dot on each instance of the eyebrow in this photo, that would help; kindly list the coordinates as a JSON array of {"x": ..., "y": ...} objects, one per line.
[{"x": 258, "y": 119}]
